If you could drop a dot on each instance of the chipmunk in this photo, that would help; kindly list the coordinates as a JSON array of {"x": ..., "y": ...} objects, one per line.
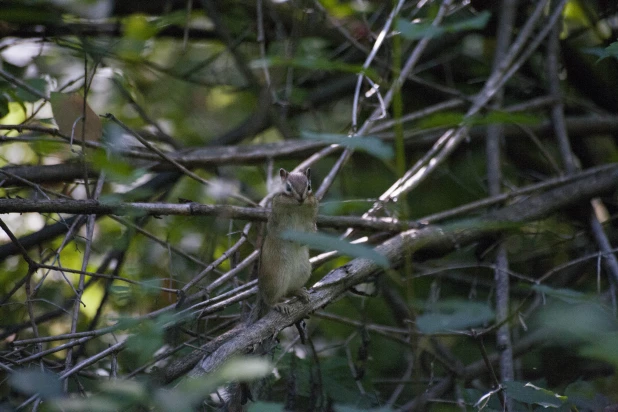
[{"x": 284, "y": 265}]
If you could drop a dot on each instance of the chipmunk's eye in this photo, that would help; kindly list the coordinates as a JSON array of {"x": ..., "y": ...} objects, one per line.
[
  {"x": 288, "y": 187},
  {"x": 309, "y": 187}
]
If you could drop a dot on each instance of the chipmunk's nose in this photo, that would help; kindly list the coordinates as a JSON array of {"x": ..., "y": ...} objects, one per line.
[{"x": 301, "y": 199}]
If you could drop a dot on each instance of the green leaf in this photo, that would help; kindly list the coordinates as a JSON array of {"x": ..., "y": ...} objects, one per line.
[
  {"x": 4, "y": 105},
  {"x": 178, "y": 18},
  {"x": 34, "y": 381},
  {"x": 186, "y": 395},
  {"x": 487, "y": 404},
  {"x": 30, "y": 13},
  {"x": 125, "y": 391},
  {"x": 451, "y": 119},
  {"x": 266, "y": 407},
  {"x": 577, "y": 322},
  {"x": 499, "y": 117},
  {"x": 338, "y": 9},
  {"x": 565, "y": 295},
  {"x": 91, "y": 404},
  {"x": 350, "y": 408},
  {"x": 603, "y": 53},
  {"x": 584, "y": 395},
  {"x": 315, "y": 64},
  {"x": 139, "y": 27},
  {"x": 37, "y": 84},
  {"x": 473, "y": 23},
  {"x": 452, "y": 315},
  {"x": 324, "y": 242},
  {"x": 443, "y": 119},
  {"x": 118, "y": 169},
  {"x": 416, "y": 31},
  {"x": 338, "y": 384},
  {"x": 146, "y": 341},
  {"x": 604, "y": 348},
  {"x": 529, "y": 393},
  {"x": 368, "y": 144},
  {"x": 246, "y": 368}
]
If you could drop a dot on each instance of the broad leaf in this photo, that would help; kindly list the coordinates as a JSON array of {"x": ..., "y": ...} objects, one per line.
[
  {"x": 604, "y": 348},
  {"x": 565, "y": 295},
  {"x": 529, "y": 393},
  {"x": 315, "y": 64},
  {"x": 68, "y": 112},
  {"x": 368, "y": 144},
  {"x": 452, "y": 315},
  {"x": 34, "y": 381},
  {"x": 451, "y": 119},
  {"x": 37, "y": 84},
  {"x": 603, "y": 53},
  {"x": 416, "y": 31}
]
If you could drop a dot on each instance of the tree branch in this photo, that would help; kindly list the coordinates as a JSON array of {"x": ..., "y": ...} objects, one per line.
[{"x": 437, "y": 239}]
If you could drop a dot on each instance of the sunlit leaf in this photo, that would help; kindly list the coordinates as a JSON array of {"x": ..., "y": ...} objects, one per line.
[
  {"x": 450, "y": 315},
  {"x": 324, "y": 242},
  {"x": 368, "y": 144},
  {"x": 337, "y": 8},
  {"x": 245, "y": 369},
  {"x": 531, "y": 394},
  {"x": 575, "y": 15},
  {"x": 15, "y": 115},
  {"x": 416, "y": 31},
  {"x": 138, "y": 27}
]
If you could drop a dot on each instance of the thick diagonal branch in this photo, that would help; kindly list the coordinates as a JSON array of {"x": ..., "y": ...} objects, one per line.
[{"x": 438, "y": 240}]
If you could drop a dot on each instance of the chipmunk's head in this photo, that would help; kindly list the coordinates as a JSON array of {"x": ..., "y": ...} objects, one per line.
[{"x": 296, "y": 185}]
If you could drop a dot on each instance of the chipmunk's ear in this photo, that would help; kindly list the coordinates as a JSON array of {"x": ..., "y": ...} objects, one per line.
[
  {"x": 308, "y": 173},
  {"x": 284, "y": 174}
]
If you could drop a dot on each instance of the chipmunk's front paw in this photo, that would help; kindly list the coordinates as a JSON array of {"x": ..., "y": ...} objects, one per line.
[{"x": 282, "y": 308}]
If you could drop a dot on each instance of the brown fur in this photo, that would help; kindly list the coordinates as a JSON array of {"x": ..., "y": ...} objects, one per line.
[{"x": 284, "y": 265}]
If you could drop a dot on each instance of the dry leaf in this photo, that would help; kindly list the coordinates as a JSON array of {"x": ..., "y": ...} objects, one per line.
[{"x": 68, "y": 108}]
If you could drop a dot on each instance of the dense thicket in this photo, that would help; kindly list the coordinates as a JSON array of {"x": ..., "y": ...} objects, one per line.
[{"x": 463, "y": 151}]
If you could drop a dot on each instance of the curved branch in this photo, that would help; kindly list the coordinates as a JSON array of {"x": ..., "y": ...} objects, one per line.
[{"x": 436, "y": 239}]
